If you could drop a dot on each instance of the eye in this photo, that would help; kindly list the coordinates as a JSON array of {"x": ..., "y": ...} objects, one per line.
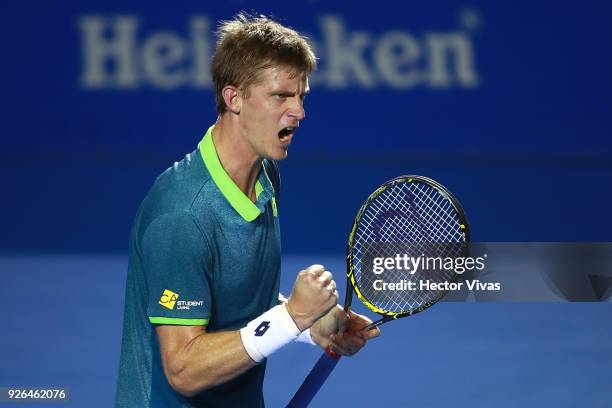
[{"x": 280, "y": 97}]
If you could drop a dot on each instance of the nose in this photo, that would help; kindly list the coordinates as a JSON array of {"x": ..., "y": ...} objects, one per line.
[{"x": 297, "y": 110}]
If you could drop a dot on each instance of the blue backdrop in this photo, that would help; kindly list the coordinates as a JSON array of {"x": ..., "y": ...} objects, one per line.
[{"x": 507, "y": 104}]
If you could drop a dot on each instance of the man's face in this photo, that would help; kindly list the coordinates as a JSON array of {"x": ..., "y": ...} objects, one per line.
[{"x": 271, "y": 113}]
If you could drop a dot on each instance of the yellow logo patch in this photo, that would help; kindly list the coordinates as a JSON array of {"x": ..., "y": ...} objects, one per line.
[{"x": 168, "y": 299}]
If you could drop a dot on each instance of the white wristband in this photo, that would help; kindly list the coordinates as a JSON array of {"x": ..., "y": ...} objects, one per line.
[
  {"x": 267, "y": 333},
  {"x": 305, "y": 337}
]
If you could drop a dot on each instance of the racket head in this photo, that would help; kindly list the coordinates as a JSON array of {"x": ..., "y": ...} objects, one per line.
[{"x": 412, "y": 212}]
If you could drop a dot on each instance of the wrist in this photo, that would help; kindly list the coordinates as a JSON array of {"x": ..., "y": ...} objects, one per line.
[
  {"x": 300, "y": 320},
  {"x": 306, "y": 337},
  {"x": 269, "y": 332}
]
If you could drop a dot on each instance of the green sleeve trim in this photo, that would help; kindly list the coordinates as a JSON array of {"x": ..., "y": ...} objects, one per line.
[
  {"x": 177, "y": 321},
  {"x": 241, "y": 203}
]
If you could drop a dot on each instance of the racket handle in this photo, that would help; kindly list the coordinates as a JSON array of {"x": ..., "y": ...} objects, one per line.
[{"x": 314, "y": 380}]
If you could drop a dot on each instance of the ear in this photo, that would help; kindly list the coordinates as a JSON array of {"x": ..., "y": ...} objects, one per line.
[{"x": 232, "y": 99}]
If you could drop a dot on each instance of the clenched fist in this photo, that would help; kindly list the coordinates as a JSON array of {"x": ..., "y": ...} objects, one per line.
[{"x": 314, "y": 294}]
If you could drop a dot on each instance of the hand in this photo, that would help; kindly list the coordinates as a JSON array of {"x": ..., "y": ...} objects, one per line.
[
  {"x": 314, "y": 294},
  {"x": 343, "y": 333}
]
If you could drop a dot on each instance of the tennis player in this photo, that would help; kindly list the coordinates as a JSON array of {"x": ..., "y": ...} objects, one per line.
[{"x": 202, "y": 303}]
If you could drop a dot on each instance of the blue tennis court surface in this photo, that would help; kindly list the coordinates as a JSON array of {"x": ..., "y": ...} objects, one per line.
[{"x": 62, "y": 328}]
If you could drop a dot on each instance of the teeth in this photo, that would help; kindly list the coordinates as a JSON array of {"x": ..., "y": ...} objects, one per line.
[{"x": 285, "y": 132}]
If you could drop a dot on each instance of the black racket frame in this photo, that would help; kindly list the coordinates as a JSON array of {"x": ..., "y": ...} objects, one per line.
[{"x": 350, "y": 287}]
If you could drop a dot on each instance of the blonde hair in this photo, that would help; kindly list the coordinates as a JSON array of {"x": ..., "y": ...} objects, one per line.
[{"x": 249, "y": 44}]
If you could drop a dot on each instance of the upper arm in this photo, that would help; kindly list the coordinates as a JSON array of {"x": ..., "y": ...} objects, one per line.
[
  {"x": 173, "y": 341},
  {"x": 176, "y": 262},
  {"x": 174, "y": 338}
]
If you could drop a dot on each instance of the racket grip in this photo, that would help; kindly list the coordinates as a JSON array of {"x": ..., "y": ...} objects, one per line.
[{"x": 314, "y": 380}]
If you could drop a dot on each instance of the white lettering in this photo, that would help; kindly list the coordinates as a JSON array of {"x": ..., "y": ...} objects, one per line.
[
  {"x": 344, "y": 55},
  {"x": 378, "y": 269},
  {"x": 160, "y": 52},
  {"x": 99, "y": 52},
  {"x": 440, "y": 46},
  {"x": 115, "y": 55},
  {"x": 430, "y": 285},
  {"x": 477, "y": 285},
  {"x": 199, "y": 30},
  {"x": 395, "y": 57}
]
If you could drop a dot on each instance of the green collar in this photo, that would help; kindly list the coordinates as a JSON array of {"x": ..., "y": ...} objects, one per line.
[{"x": 237, "y": 199}]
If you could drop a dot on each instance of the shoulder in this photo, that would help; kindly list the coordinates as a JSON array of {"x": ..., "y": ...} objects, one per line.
[
  {"x": 178, "y": 187},
  {"x": 174, "y": 230},
  {"x": 171, "y": 198}
]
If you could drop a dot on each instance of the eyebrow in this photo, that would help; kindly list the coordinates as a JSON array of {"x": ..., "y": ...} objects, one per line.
[{"x": 289, "y": 93}]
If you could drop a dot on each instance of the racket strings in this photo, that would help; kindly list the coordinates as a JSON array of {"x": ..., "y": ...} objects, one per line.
[{"x": 411, "y": 213}]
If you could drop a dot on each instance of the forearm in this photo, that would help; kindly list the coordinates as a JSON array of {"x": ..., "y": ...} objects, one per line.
[
  {"x": 194, "y": 360},
  {"x": 207, "y": 360}
]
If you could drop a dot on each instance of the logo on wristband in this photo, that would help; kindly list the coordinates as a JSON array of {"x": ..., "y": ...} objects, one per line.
[{"x": 262, "y": 328}]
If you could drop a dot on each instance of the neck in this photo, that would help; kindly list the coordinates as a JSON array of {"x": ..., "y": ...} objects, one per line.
[{"x": 236, "y": 155}]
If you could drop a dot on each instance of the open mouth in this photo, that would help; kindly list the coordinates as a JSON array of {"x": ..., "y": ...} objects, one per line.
[{"x": 284, "y": 133}]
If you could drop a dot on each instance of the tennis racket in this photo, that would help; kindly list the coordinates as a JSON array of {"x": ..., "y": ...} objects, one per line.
[{"x": 409, "y": 215}]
